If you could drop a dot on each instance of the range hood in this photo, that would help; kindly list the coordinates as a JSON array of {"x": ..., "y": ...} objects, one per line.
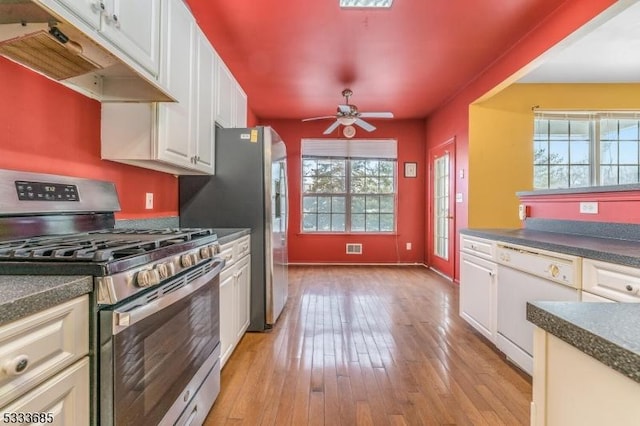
[{"x": 35, "y": 38}]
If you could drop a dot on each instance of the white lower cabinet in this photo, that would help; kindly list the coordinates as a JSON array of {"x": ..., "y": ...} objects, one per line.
[
  {"x": 478, "y": 287},
  {"x": 45, "y": 366},
  {"x": 572, "y": 388},
  {"x": 235, "y": 295}
]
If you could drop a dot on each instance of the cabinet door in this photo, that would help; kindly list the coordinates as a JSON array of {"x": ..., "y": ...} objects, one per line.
[
  {"x": 64, "y": 399},
  {"x": 87, "y": 10},
  {"x": 225, "y": 96},
  {"x": 205, "y": 103},
  {"x": 134, "y": 27},
  {"x": 227, "y": 315},
  {"x": 176, "y": 74},
  {"x": 478, "y": 294},
  {"x": 243, "y": 293}
]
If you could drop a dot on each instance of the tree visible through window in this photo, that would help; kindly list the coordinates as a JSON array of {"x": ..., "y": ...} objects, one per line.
[
  {"x": 348, "y": 194},
  {"x": 573, "y": 150}
]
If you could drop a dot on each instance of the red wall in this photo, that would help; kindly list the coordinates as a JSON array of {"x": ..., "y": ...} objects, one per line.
[
  {"x": 315, "y": 248},
  {"x": 452, "y": 119},
  {"x": 617, "y": 207},
  {"x": 48, "y": 128}
]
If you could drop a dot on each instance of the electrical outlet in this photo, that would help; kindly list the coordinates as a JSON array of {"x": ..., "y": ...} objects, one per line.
[
  {"x": 408, "y": 246},
  {"x": 148, "y": 201},
  {"x": 523, "y": 211},
  {"x": 589, "y": 207}
]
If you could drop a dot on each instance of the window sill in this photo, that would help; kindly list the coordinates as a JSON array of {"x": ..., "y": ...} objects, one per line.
[
  {"x": 391, "y": 233},
  {"x": 582, "y": 190}
]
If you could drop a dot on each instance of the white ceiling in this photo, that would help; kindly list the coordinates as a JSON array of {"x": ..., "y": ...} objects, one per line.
[{"x": 607, "y": 52}]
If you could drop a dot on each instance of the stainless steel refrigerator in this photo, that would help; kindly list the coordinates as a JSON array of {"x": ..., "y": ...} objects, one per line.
[{"x": 248, "y": 190}]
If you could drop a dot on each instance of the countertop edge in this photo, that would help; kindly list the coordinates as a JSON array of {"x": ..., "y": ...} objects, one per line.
[
  {"x": 596, "y": 346},
  {"x": 46, "y": 297},
  {"x": 540, "y": 243},
  {"x": 227, "y": 235}
]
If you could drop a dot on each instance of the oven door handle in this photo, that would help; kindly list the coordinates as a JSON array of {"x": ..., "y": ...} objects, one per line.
[{"x": 124, "y": 319}]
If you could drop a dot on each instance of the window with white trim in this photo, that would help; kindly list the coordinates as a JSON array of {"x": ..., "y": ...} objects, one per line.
[
  {"x": 348, "y": 185},
  {"x": 585, "y": 149}
]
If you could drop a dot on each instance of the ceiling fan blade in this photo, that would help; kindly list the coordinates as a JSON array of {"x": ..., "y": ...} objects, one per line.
[
  {"x": 319, "y": 118},
  {"x": 366, "y": 126},
  {"x": 331, "y": 128},
  {"x": 376, "y": 114}
]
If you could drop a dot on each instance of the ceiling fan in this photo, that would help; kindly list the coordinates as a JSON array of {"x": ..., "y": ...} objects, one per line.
[{"x": 348, "y": 114}]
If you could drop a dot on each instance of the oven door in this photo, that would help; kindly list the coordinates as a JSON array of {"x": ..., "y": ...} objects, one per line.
[{"x": 153, "y": 348}]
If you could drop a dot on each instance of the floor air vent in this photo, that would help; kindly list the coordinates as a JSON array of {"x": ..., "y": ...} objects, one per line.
[{"x": 353, "y": 248}]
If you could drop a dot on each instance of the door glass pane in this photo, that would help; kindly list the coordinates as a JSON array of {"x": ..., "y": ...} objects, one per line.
[{"x": 441, "y": 206}]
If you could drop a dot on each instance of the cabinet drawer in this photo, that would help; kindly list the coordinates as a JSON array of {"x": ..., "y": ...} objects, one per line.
[
  {"x": 478, "y": 246},
  {"x": 63, "y": 399},
  {"x": 226, "y": 252},
  {"x": 35, "y": 348},
  {"x": 615, "y": 282},
  {"x": 242, "y": 247}
]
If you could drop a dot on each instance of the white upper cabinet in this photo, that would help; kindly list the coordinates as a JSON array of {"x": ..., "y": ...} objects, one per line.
[
  {"x": 205, "y": 105},
  {"x": 225, "y": 94},
  {"x": 134, "y": 27},
  {"x": 176, "y": 120},
  {"x": 240, "y": 106}
]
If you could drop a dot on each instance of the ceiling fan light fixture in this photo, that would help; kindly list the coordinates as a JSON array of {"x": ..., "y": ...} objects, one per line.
[
  {"x": 374, "y": 4},
  {"x": 347, "y": 121}
]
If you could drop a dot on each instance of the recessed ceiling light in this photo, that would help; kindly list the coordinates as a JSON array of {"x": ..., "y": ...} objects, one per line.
[{"x": 366, "y": 3}]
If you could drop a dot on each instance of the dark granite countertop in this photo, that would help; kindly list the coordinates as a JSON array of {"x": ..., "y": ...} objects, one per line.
[
  {"x": 23, "y": 295},
  {"x": 608, "y": 332},
  {"x": 623, "y": 252},
  {"x": 226, "y": 235}
]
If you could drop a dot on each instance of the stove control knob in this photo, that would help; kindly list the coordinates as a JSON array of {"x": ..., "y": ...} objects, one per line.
[
  {"x": 194, "y": 258},
  {"x": 215, "y": 248},
  {"x": 186, "y": 261},
  {"x": 207, "y": 252},
  {"x": 164, "y": 271},
  {"x": 147, "y": 278}
]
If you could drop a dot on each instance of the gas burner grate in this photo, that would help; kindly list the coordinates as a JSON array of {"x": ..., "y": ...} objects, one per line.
[{"x": 98, "y": 246}]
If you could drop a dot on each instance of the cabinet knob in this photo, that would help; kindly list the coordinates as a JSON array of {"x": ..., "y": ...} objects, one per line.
[
  {"x": 17, "y": 365},
  {"x": 629, "y": 287}
]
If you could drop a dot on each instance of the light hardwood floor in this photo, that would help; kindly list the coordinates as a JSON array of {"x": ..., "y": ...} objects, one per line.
[{"x": 362, "y": 345}]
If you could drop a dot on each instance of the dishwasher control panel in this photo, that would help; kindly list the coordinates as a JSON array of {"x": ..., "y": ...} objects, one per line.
[{"x": 561, "y": 268}]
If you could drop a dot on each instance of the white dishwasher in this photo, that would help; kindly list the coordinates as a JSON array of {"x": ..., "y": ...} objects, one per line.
[{"x": 527, "y": 274}]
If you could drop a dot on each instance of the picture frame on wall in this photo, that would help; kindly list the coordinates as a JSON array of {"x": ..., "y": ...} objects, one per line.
[{"x": 410, "y": 170}]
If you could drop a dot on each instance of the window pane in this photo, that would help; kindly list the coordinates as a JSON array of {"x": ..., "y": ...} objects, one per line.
[
  {"x": 338, "y": 222},
  {"x": 309, "y": 204},
  {"x": 579, "y": 176},
  {"x": 628, "y": 130},
  {"x": 608, "y": 130},
  {"x": 540, "y": 153},
  {"x": 559, "y": 152},
  {"x": 371, "y": 168},
  {"x": 608, "y": 175},
  {"x": 609, "y": 153},
  {"x": 559, "y": 130},
  {"x": 628, "y": 174},
  {"x": 357, "y": 222},
  {"x": 387, "y": 203},
  {"x": 338, "y": 204},
  {"x": 357, "y": 204},
  {"x": 338, "y": 184},
  {"x": 386, "y": 184},
  {"x": 373, "y": 222},
  {"x": 371, "y": 185},
  {"x": 324, "y": 222},
  {"x": 580, "y": 130},
  {"x": 386, "y": 168},
  {"x": 324, "y": 204},
  {"x": 358, "y": 167},
  {"x": 309, "y": 222},
  {"x": 309, "y": 167},
  {"x": 541, "y": 130},
  {"x": 386, "y": 222},
  {"x": 373, "y": 204},
  {"x": 628, "y": 152},
  {"x": 558, "y": 176},
  {"x": 358, "y": 185},
  {"x": 540, "y": 177},
  {"x": 579, "y": 152},
  {"x": 308, "y": 184}
]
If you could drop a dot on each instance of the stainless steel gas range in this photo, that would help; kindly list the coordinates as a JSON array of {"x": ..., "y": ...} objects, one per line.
[{"x": 155, "y": 316}]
